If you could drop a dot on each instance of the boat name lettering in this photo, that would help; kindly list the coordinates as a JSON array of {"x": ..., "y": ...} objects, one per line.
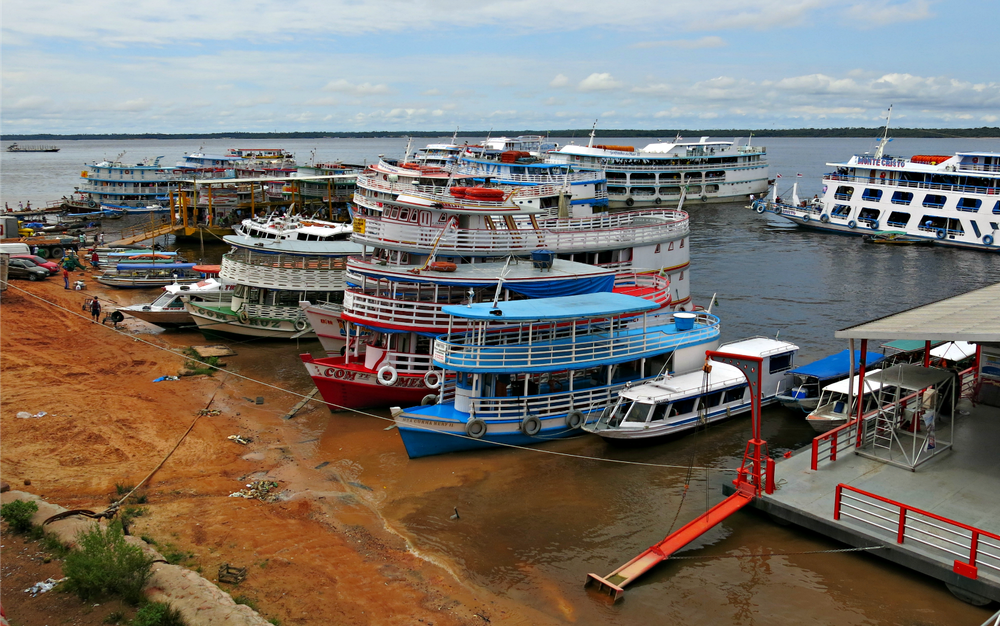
[{"x": 881, "y": 162}]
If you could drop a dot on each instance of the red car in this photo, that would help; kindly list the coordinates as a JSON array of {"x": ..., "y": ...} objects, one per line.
[{"x": 39, "y": 261}]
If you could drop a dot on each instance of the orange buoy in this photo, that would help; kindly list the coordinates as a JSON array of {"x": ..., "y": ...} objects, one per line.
[
  {"x": 443, "y": 266},
  {"x": 207, "y": 269}
]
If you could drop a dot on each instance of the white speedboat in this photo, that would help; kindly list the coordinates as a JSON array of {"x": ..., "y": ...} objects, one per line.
[
  {"x": 838, "y": 402},
  {"x": 673, "y": 404},
  {"x": 167, "y": 311}
]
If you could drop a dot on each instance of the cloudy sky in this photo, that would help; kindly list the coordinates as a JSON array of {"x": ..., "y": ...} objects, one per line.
[{"x": 355, "y": 65}]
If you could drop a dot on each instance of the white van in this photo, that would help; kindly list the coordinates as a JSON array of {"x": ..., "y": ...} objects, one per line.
[{"x": 15, "y": 248}]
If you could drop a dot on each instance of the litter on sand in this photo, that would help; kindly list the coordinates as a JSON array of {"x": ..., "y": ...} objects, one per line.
[
  {"x": 210, "y": 413},
  {"x": 240, "y": 440},
  {"x": 42, "y": 587},
  {"x": 162, "y": 378},
  {"x": 25, "y": 415},
  {"x": 258, "y": 489}
]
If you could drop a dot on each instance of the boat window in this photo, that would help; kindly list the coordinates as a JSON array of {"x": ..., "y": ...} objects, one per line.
[
  {"x": 969, "y": 204},
  {"x": 841, "y": 210},
  {"x": 932, "y": 222},
  {"x": 404, "y": 215},
  {"x": 621, "y": 409},
  {"x": 240, "y": 291},
  {"x": 781, "y": 362},
  {"x": 869, "y": 214},
  {"x": 164, "y": 299},
  {"x": 975, "y": 228},
  {"x": 934, "y": 200},
  {"x": 735, "y": 394},
  {"x": 844, "y": 192},
  {"x": 660, "y": 412},
  {"x": 872, "y": 195},
  {"x": 682, "y": 407},
  {"x": 713, "y": 399},
  {"x": 898, "y": 219},
  {"x": 639, "y": 413},
  {"x": 996, "y": 208},
  {"x": 902, "y": 197}
]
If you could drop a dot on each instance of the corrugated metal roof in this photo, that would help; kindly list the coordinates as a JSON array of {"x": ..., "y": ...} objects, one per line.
[{"x": 973, "y": 316}]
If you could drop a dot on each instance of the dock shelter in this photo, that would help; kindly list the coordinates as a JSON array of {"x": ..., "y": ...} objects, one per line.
[{"x": 922, "y": 491}]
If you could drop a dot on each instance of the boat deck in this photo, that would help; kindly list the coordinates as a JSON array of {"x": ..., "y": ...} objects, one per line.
[{"x": 961, "y": 484}]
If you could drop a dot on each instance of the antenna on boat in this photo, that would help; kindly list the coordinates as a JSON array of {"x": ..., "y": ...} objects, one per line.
[
  {"x": 406, "y": 155},
  {"x": 885, "y": 137},
  {"x": 454, "y": 137},
  {"x": 711, "y": 304},
  {"x": 593, "y": 129},
  {"x": 503, "y": 274}
]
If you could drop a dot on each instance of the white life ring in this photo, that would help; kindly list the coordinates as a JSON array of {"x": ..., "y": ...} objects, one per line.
[
  {"x": 300, "y": 324},
  {"x": 433, "y": 379},
  {"x": 531, "y": 425},
  {"x": 391, "y": 371},
  {"x": 760, "y": 208},
  {"x": 429, "y": 399},
  {"x": 574, "y": 419},
  {"x": 475, "y": 428},
  {"x": 243, "y": 316}
]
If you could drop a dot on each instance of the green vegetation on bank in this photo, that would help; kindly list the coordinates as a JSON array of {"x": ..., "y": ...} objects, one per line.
[{"x": 984, "y": 131}]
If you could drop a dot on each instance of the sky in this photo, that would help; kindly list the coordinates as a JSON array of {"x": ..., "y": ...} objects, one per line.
[{"x": 107, "y": 66}]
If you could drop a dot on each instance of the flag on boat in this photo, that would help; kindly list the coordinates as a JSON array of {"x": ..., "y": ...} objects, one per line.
[
  {"x": 777, "y": 175},
  {"x": 798, "y": 175}
]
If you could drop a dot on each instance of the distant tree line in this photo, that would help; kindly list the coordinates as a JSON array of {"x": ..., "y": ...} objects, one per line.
[{"x": 984, "y": 131}]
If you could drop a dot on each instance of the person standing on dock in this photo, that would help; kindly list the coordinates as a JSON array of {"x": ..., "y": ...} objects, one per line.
[
  {"x": 65, "y": 273},
  {"x": 95, "y": 308},
  {"x": 95, "y": 260}
]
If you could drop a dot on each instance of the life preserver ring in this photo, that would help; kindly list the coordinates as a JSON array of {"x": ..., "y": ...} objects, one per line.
[
  {"x": 433, "y": 379},
  {"x": 824, "y": 218},
  {"x": 988, "y": 240},
  {"x": 574, "y": 419},
  {"x": 874, "y": 224},
  {"x": 941, "y": 234},
  {"x": 243, "y": 316},
  {"x": 629, "y": 201},
  {"x": 429, "y": 399},
  {"x": 704, "y": 198},
  {"x": 806, "y": 218},
  {"x": 392, "y": 375},
  {"x": 760, "y": 207},
  {"x": 329, "y": 372},
  {"x": 852, "y": 224},
  {"x": 777, "y": 210},
  {"x": 531, "y": 425},
  {"x": 657, "y": 201},
  {"x": 91, "y": 203},
  {"x": 300, "y": 324},
  {"x": 475, "y": 428}
]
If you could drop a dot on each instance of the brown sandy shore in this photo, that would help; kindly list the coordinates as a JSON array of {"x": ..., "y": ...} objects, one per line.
[{"x": 314, "y": 558}]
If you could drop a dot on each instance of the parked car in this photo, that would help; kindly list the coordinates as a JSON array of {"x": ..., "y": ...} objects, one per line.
[
  {"x": 23, "y": 268},
  {"x": 39, "y": 261}
]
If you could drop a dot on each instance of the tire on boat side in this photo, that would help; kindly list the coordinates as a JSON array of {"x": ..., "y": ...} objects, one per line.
[
  {"x": 531, "y": 425},
  {"x": 429, "y": 399},
  {"x": 475, "y": 428},
  {"x": 574, "y": 419}
]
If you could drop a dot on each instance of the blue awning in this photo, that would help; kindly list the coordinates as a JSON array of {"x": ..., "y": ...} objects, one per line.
[
  {"x": 124, "y": 267},
  {"x": 836, "y": 365},
  {"x": 585, "y": 306}
]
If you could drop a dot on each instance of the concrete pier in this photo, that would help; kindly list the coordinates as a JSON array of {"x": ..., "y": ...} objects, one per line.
[{"x": 962, "y": 484}]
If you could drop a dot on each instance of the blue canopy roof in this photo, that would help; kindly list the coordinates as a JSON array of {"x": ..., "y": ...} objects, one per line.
[
  {"x": 836, "y": 365},
  {"x": 585, "y": 306},
  {"x": 124, "y": 267}
]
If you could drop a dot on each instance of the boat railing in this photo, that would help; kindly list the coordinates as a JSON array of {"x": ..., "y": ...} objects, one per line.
[
  {"x": 274, "y": 312},
  {"x": 625, "y": 219},
  {"x": 321, "y": 274},
  {"x": 885, "y": 182},
  {"x": 376, "y": 231},
  {"x": 509, "y": 350},
  {"x": 440, "y": 193},
  {"x": 427, "y": 316},
  {"x": 550, "y": 179},
  {"x": 543, "y": 405},
  {"x": 410, "y": 363},
  {"x": 969, "y": 549}
]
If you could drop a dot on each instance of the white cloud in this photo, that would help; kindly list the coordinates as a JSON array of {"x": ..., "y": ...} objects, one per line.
[
  {"x": 599, "y": 82},
  {"x": 431, "y": 92},
  {"x": 363, "y": 89},
  {"x": 878, "y": 13},
  {"x": 684, "y": 44},
  {"x": 559, "y": 81}
]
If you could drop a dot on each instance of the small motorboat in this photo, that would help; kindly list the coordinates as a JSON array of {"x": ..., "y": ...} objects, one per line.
[
  {"x": 897, "y": 238},
  {"x": 168, "y": 309},
  {"x": 838, "y": 402},
  {"x": 144, "y": 275}
]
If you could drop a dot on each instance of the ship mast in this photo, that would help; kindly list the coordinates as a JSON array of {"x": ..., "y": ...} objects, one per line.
[
  {"x": 593, "y": 129},
  {"x": 885, "y": 138}
]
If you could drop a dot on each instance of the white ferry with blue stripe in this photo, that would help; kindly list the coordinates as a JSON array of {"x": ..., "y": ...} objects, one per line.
[
  {"x": 535, "y": 370},
  {"x": 948, "y": 200}
]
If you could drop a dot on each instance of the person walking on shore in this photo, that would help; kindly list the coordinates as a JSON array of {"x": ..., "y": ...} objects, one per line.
[
  {"x": 95, "y": 260},
  {"x": 95, "y": 308},
  {"x": 65, "y": 273}
]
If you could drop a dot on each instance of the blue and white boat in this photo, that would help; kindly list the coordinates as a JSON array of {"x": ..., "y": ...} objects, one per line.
[
  {"x": 810, "y": 379},
  {"x": 534, "y": 370},
  {"x": 674, "y": 404}
]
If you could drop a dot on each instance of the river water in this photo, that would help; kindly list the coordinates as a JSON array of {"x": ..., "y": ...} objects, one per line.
[{"x": 533, "y": 524}]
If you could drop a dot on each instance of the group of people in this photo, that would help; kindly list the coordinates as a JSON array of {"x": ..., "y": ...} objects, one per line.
[{"x": 20, "y": 207}]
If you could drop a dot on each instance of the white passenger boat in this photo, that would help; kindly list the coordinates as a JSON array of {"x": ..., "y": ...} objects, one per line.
[
  {"x": 838, "y": 402},
  {"x": 949, "y": 200},
  {"x": 431, "y": 235},
  {"x": 294, "y": 227},
  {"x": 662, "y": 173},
  {"x": 146, "y": 275},
  {"x": 534, "y": 370},
  {"x": 271, "y": 277},
  {"x": 673, "y": 404},
  {"x": 116, "y": 186},
  {"x": 167, "y": 310}
]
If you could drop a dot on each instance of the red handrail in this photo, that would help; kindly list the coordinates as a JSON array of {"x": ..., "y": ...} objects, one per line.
[{"x": 969, "y": 571}]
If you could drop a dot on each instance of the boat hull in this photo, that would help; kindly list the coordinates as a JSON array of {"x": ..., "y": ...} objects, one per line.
[
  {"x": 354, "y": 387},
  {"x": 422, "y": 439},
  {"x": 223, "y": 321},
  {"x": 163, "y": 319}
]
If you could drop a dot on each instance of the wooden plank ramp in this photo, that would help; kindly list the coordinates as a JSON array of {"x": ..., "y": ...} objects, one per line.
[
  {"x": 298, "y": 407},
  {"x": 614, "y": 583}
]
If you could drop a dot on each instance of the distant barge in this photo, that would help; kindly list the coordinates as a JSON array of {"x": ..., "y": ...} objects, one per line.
[{"x": 18, "y": 148}]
